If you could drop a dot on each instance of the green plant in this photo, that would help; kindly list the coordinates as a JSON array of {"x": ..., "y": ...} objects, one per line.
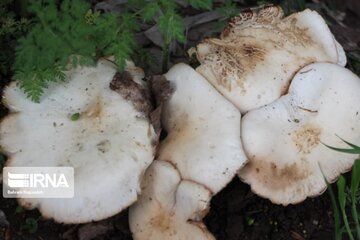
[
  {"x": 250, "y": 221},
  {"x": 30, "y": 225},
  {"x": 11, "y": 27},
  {"x": 355, "y": 181},
  {"x": 144, "y": 58},
  {"x": 228, "y": 9},
  {"x": 343, "y": 200},
  {"x": 8, "y": 24},
  {"x": 169, "y": 22},
  {"x": 19, "y": 209},
  {"x": 336, "y": 211},
  {"x": 66, "y": 35},
  {"x": 2, "y": 160}
]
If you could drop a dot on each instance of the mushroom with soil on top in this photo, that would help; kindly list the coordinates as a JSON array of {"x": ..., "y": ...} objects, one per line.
[
  {"x": 283, "y": 140},
  {"x": 203, "y": 150},
  {"x": 256, "y": 57},
  {"x": 109, "y": 146}
]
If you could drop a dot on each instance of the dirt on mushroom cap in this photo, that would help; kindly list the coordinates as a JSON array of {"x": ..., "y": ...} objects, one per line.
[
  {"x": 124, "y": 84},
  {"x": 258, "y": 54}
]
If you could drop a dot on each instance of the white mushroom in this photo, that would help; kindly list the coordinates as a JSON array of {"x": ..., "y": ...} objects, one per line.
[
  {"x": 109, "y": 146},
  {"x": 203, "y": 140},
  {"x": 169, "y": 207},
  {"x": 283, "y": 140},
  {"x": 200, "y": 155},
  {"x": 259, "y": 53}
]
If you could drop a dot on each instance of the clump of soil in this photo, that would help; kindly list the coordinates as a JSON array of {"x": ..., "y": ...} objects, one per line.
[{"x": 236, "y": 213}]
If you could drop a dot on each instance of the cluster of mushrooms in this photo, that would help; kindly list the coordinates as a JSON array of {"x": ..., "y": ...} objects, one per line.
[{"x": 266, "y": 98}]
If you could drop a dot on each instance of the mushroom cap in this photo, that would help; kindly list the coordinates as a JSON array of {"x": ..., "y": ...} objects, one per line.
[
  {"x": 109, "y": 146},
  {"x": 169, "y": 208},
  {"x": 284, "y": 140},
  {"x": 203, "y": 140},
  {"x": 259, "y": 53}
]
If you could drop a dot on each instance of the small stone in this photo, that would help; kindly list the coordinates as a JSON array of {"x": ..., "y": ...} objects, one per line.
[
  {"x": 3, "y": 221},
  {"x": 93, "y": 230}
]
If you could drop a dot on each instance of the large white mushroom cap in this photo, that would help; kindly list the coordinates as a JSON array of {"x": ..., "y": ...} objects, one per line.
[
  {"x": 203, "y": 140},
  {"x": 283, "y": 140},
  {"x": 259, "y": 53},
  {"x": 169, "y": 207},
  {"x": 109, "y": 146},
  {"x": 200, "y": 155}
]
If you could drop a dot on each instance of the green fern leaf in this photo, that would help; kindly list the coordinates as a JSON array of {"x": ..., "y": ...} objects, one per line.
[
  {"x": 201, "y": 4},
  {"x": 150, "y": 10},
  {"x": 170, "y": 25},
  {"x": 67, "y": 37}
]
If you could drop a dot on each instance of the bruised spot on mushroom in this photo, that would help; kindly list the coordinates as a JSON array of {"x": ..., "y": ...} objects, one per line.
[
  {"x": 181, "y": 133},
  {"x": 124, "y": 84},
  {"x": 279, "y": 177},
  {"x": 162, "y": 220},
  {"x": 94, "y": 111},
  {"x": 103, "y": 146},
  {"x": 79, "y": 145},
  {"x": 306, "y": 138},
  {"x": 198, "y": 215},
  {"x": 292, "y": 172}
]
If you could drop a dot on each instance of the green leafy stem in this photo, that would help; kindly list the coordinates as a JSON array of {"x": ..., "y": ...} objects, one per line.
[{"x": 354, "y": 188}]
